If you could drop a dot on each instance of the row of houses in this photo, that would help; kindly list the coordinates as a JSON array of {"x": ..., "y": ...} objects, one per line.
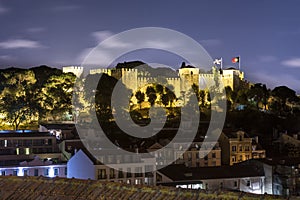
[{"x": 226, "y": 164}]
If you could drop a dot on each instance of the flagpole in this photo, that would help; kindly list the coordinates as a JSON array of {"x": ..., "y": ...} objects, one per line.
[
  {"x": 221, "y": 63},
  {"x": 239, "y": 62}
]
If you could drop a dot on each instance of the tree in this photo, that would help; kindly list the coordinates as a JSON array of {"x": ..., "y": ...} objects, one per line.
[
  {"x": 282, "y": 94},
  {"x": 151, "y": 93},
  {"x": 17, "y": 96},
  {"x": 57, "y": 95},
  {"x": 140, "y": 96}
]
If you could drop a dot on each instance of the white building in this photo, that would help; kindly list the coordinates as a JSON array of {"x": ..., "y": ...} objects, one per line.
[
  {"x": 84, "y": 166},
  {"x": 36, "y": 167},
  {"x": 246, "y": 178}
]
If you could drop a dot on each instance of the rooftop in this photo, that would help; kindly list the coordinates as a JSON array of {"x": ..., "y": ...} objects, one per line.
[{"x": 12, "y": 187}]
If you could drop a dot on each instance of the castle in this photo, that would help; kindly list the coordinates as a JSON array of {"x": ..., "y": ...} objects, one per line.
[{"x": 135, "y": 79}]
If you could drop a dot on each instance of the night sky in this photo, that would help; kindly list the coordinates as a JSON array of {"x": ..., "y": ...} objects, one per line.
[{"x": 266, "y": 34}]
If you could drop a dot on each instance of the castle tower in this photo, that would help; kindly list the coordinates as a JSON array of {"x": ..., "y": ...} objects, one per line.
[
  {"x": 190, "y": 75},
  {"x": 77, "y": 70}
]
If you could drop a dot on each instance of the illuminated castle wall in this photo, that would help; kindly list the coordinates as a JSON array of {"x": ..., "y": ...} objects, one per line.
[
  {"x": 134, "y": 79},
  {"x": 77, "y": 70}
]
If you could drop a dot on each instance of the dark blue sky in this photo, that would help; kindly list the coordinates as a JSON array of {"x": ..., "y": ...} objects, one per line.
[{"x": 266, "y": 34}]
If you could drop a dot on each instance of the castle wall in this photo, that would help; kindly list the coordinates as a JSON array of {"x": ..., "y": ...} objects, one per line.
[{"x": 76, "y": 70}]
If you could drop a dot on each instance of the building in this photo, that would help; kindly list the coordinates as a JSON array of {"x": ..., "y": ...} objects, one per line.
[
  {"x": 135, "y": 78},
  {"x": 236, "y": 147},
  {"x": 124, "y": 170},
  {"x": 246, "y": 178},
  {"x": 282, "y": 175},
  {"x": 18, "y": 146},
  {"x": 35, "y": 167}
]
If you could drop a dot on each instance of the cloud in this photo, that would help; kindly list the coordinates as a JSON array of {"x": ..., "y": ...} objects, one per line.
[
  {"x": 101, "y": 35},
  {"x": 267, "y": 58},
  {"x": 6, "y": 57},
  {"x": 210, "y": 42},
  {"x": 3, "y": 9},
  {"x": 275, "y": 80},
  {"x": 113, "y": 46},
  {"x": 66, "y": 8},
  {"x": 293, "y": 62},
  {"x": 20, "y": 43},
  {"x": 35, "y": 29}
]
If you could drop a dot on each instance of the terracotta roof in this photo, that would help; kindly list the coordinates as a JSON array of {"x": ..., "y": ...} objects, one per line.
[{"x": 28, "y": 188}]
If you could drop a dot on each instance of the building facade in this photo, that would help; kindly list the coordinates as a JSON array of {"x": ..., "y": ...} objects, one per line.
[{"x": 135, "y": 172}]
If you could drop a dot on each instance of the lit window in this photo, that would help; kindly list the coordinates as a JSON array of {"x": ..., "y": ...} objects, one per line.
[
  {"x": 233, "y": 159},
  {"x": 17, "y": 151},
  {"x": 5, "y": 143},
  {"x": 27, "y": 151}
]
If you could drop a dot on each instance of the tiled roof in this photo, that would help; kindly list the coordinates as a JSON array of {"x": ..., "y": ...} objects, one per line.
[{"x": 32, "y": 188}]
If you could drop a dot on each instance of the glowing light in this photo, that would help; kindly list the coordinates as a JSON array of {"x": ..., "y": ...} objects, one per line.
[
  {"x": 27, "y": 151},
  {"x": 51, "y": 172},
  {"x": 20, "y": 171}
]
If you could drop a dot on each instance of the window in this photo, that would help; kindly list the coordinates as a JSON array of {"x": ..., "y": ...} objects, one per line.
[
  {"x": 247, "y": 148},
  {"x": 241, "y": 157},
  {"x": 138, "y": 181},
  {"x": 247, "y": 157},
  {"x": 213, "y": 155},
  {"x": 101, "y": 173},
  {"x": 235, "y": 183},
  {"x": 27, "y": 152},
  {"x": 36, "y": 172},
  {"x": 17, "y": 151},
  {"x": 233, "y": 159},
  {"x": 15, "y": 172},
  {"x": 46, "y": 172},
  {"x": 120, "y": 173},
  {"x": 248, "y": 183},
  {"x": 56, "y": 171},
  {"x": 129, "y": 173},
  {"x": 189, "y": 156},
  {"x": 25, "y": 172},
  {"x": 3, "y": 173},
  {"x": 240, "y": 148},
  {"x": 111, "y": 173},
  {"x": 233, "y": 148},
  {"x": 138, "y": 172},
  {"x": 66, "y": 171}
]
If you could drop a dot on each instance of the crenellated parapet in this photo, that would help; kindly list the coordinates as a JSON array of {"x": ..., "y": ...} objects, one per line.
[{"x": 76, "y": 70}]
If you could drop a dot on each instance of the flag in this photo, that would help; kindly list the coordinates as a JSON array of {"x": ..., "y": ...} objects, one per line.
[
  {"x": 218, "y": 61},
  {"x": 235, "y": 60}
]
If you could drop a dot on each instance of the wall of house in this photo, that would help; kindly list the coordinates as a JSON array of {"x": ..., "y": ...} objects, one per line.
[{"x": 81, "y": 167}]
